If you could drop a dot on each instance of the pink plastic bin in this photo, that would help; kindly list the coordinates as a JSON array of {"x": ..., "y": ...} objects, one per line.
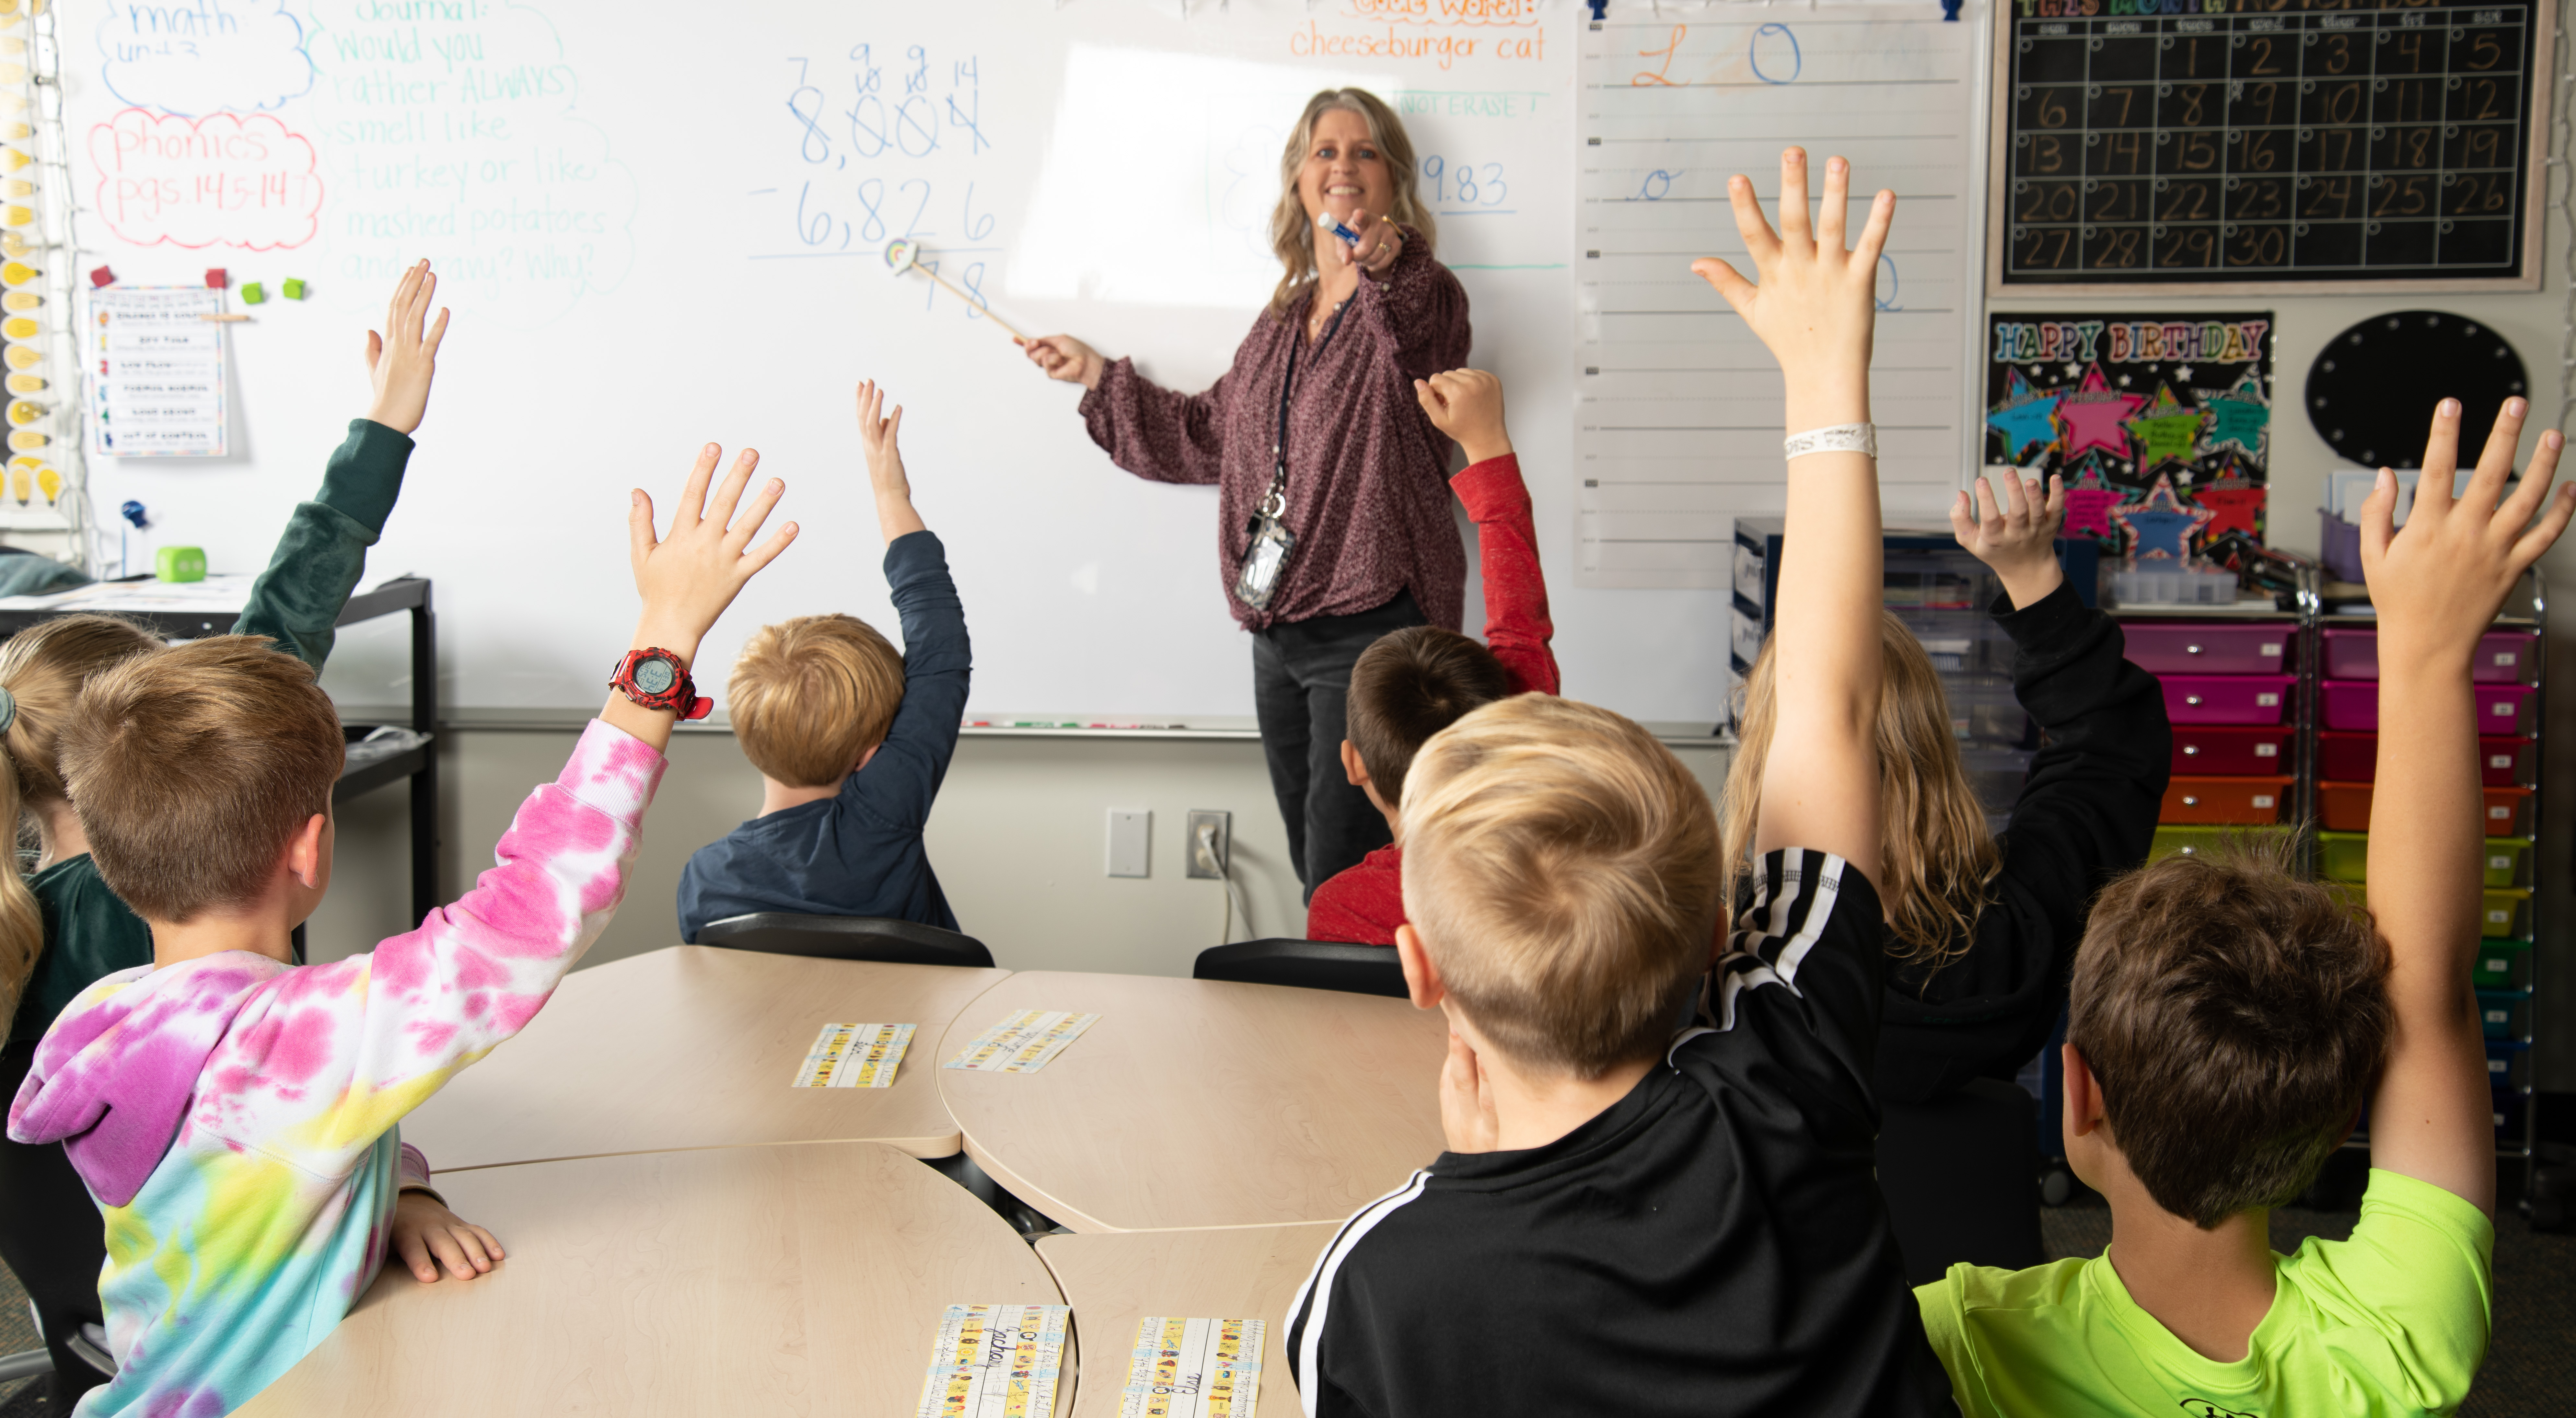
[
  {"x": 2504, "y": 656},
  {"x": 2228, "y": 699},
  {"x": 2203, "y": 648},
  {"x": 2503, "y": 709}
]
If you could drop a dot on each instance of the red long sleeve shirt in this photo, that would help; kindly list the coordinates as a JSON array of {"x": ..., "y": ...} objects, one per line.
[
  {"x": 1365, "y": 903},
  {"x": 1365, "y": 495}
]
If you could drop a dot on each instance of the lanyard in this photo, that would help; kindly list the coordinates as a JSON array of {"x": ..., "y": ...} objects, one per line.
[{"x": 1276, "y": 502}]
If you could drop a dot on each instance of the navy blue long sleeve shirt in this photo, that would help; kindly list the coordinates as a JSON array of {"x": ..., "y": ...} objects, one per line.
[{"x": 859, "y": 852}]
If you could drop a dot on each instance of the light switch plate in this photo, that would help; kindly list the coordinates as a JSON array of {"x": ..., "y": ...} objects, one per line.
[{"x": 1131, "y": 841}]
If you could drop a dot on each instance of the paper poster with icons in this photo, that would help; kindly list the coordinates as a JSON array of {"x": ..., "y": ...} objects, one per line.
[
  {"x": 1193, "y": 1368},
  {"x": 995, "y": 1361},
  {"x": 156, "y": 372},
  {"x": 1023, "y": 1043},
  {"x": 2160, "y": 424},
  {"x": 855, "y": 1056}
]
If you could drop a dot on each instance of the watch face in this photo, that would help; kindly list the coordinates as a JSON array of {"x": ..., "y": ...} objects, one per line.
[
  {"x": 2372, "y": 389},
  {"x": 655, "y": 676}
]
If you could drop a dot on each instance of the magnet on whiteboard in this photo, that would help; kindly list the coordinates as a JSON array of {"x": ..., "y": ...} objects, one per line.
[
  {"x": 102, "y": 277},
  {"x": 293, "y": 289},
  {"x": 254, "y": 294},
  {"x": 215, "y": 278}
]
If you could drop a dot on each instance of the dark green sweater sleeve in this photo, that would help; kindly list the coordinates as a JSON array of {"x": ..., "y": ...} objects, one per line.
[{"x": 297, "y": 600}]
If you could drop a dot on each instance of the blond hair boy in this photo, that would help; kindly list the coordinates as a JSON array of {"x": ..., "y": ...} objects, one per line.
[
  {"x": 1629, "y": 1220},
  {"x": 851, "y": 737}
]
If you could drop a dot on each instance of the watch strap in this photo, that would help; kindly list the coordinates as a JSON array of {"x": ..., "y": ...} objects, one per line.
[{"x": 681, "y": 698}]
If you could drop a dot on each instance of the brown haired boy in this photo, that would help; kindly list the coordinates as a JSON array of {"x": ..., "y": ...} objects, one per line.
[
  {"x": 851, "y": 738},
  {"x": 236, "y": 1116},
  {"x": 1629, "y": 1221},
  {"x": 2229, "y": 1022},
  {"x": 1418, "y": 681}
]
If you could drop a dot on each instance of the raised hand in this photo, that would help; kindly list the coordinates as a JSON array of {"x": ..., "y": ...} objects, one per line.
[
  {"x": 1815, "y": 302},
  {"x": 886, "y": 476},
  {"x": 2017, "y": 538},
  {"x": 1467, "y": 405},
  {"x": 687, "y": 578},
  {"x": 1066, "y": 358},
  {"x": 2438, "y": 581},
  {"x": 403, "y": 359}
]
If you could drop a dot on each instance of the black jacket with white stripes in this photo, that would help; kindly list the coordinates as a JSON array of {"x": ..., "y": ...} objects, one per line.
[{"x": 1713, "y": 1243}]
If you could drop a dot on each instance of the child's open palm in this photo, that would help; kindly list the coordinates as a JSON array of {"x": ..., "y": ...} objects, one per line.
[
  {"x": 688, "y": 577},
  {"x": 881, "y": 434},
  {"x": 1815, "y": 302},
  {"x": 2438, "y": 581},
  {"x": 2016, "y": 536},
  {"x": 403, "y": 359}
]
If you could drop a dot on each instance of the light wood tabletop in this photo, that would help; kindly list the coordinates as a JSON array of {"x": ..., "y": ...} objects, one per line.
[
  {"x": 693, "y": 1046},
  {"x": 1199, "y": 1103},
  {"x": 1114, "y": 1280},
  {"x": 728, "y": 1280}
]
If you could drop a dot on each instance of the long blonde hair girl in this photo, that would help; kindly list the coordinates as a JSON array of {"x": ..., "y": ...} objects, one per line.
[
  {"x": 1292, "y": 230},
  {"x": 1936, "y": 853},
  {"x": 43, "y": 669}
]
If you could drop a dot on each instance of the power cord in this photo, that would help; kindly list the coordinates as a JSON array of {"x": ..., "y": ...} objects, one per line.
[{"x": 1209, "y": 860}]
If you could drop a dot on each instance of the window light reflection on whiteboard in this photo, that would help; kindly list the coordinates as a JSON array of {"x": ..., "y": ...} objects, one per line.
[{"x": 1160, "y": 175}]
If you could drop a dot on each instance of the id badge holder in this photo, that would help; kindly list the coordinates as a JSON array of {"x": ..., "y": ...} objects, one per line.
[{"x": 1262, "y": 561}]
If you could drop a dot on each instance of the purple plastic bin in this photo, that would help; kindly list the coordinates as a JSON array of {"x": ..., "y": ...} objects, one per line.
[
  {"x": 2228, "y": 699},
  {"x": 2504, "y": 656},
  {"x": 2353, "y": 704},
  {"x": 2339, "y": 547},
  {"x": 2208, "y": 648}
]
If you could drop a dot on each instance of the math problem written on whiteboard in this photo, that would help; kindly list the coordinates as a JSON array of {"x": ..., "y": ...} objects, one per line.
[{"x": 2267, "y": 142}]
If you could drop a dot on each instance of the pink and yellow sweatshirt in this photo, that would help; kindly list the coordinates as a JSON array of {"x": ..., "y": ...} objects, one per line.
[{"x": 235, "y": 1117}]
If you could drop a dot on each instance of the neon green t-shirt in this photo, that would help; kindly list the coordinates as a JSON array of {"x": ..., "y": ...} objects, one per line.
[{"x": 2392, "y": 1321}]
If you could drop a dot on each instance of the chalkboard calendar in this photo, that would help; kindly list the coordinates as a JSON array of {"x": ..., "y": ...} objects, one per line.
[{"x": 2304, "y": 144}]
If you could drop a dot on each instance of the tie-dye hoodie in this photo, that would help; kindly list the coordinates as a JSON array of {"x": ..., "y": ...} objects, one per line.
[{"x": 235, "y": 1116}]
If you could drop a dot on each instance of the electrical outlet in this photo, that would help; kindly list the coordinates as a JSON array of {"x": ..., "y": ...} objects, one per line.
[
  {"x": 1131, "y": 841},
  {"x": 1208, "y": 858}
]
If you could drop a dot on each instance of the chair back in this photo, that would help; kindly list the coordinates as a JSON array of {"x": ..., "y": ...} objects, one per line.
[
  {"x": 1306, "y": 964},
  {"x": 877, "y": 938}
]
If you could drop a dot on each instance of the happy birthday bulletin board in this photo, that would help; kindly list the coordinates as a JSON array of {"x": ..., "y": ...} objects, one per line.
[{"x": 2160, "y": 424}]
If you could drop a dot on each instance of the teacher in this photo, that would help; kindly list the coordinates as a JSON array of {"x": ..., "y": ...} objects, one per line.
[{"x": 1333, "y": 520}]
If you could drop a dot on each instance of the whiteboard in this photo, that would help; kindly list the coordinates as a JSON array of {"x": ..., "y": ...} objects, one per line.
[{"x": 662, "y": 224}]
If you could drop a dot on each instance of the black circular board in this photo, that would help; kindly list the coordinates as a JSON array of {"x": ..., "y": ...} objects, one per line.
[{"x": 2372, "y": 389}]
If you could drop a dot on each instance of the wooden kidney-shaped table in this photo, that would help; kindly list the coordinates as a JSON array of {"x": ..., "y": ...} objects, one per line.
[
  {"x": 1201, "y": 1103},
  {"x": 1114, "y": 1280},
  {"x": 693, "y": 1046},
  {"x": 728, "y": 1280}
]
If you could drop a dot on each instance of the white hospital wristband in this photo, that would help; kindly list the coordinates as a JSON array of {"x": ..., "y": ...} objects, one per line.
[{"x": 1840, "y": 438}]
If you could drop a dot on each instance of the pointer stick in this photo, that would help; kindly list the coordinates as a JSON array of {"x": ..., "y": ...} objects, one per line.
[{"x": 905, "y": 256}]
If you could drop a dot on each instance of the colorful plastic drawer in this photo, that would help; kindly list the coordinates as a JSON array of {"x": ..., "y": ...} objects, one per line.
[
  {"x": 2227, "y": 699},
  {"x": 2504, "y": 656},
  {"x": 2189, "y": 841},
  {"x": 2205, "y": 749},
  {"x": 2508, "y": 1064},
  {"x": 2504, "y": 1014},
  {"x": 2354, "y": 758},
  {"x": 2202, "y": 648},
  {"x": 2501, "y": 965},
  {"x": 2343, "y": 856},
  {"x": 2508, "y": 812},
  {"x": 2508, "y": 862},
  {"x": 2345, "y": 807},
  {"x": 2505, "y": 914},
  {"x": 2502, "y": 709},
  {"x": 2509, "y": 1106},
  {"x": 2246, "y": 802}
]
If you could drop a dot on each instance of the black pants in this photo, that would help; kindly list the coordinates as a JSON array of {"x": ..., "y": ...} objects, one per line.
[
  {"x": 52, "y": 1239},
  {"x": 1301, "y": 683}
]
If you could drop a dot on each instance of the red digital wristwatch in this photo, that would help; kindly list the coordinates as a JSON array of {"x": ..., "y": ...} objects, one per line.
[{"x": 657, "y": 679}]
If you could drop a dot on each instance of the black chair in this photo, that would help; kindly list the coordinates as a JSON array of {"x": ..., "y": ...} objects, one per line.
[
  {"x": 876, "y": 938},
  {"x": 1306, "y": 964},
  {"x": 1961, "y": 1177}
]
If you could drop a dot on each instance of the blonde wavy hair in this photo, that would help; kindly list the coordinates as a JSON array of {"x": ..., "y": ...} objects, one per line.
[
  {"x": 1937, "y": 856},
  {"x": 44, "y": 668},
  {"x": 1292, "y": 231}
]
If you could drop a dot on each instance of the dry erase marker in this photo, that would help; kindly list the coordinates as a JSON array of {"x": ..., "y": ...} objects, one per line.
[{"x": 1333, "y": 224}]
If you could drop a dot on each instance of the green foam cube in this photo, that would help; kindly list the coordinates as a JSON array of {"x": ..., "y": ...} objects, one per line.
[
  {"x": 254, "y": 294},
  {"x": 180, "y": 564},
  {"x": 293, "y": 289}
]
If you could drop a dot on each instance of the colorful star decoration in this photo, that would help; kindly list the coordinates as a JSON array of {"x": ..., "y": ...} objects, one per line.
[
  {"x": 2089, "y": 503},
  {"x": 2160, "y": 526},
  {"x": 2025, "y": 418},
  {"x": 2092, "y": 416},
  {"x": 2240, "y": 417},
  {"x": 2167, "y": 432},
  {"x": 2234, "y": 504}
]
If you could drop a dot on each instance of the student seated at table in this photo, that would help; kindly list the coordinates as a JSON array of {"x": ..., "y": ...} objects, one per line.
[
  {"x": 1984, "y": 927},
  {"x": 2231, "y": 1020},
  {"x": 1629, "y": 1220},
  {"x": 235, "y": 1115},
  {"x": 1416, "y": 682},
  {"x": 61, "y": 929},
  {"x": 851, "y": 737}
]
